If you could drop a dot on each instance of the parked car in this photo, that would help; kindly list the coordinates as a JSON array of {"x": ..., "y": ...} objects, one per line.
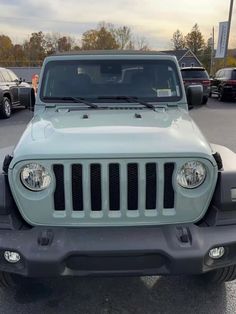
[
  {"x": 113, "y": 176},
  {"x": 9, "y": 92},
  {"x": 224, "y": 84},
  {"x": 197, "y": 75}
]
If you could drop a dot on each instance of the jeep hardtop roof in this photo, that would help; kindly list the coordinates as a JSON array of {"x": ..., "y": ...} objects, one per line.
[{"x": 109, "y": 52}]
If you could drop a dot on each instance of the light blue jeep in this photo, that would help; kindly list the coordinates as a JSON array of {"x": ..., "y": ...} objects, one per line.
[{"x": 112, "y": 176}]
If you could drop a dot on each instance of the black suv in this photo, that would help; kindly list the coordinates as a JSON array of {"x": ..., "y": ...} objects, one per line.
[
  {"x": 224, "y": 84},
  {"x": 196, "y": 76},
  {"x": 9, "y": 92}
]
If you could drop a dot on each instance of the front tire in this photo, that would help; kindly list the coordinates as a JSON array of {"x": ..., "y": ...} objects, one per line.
[
  {"x": 5, "y": 108},
  {"x": 221, "y": 275},
  {"x": 222, "y": 96},
  {"x": 7, "y": 281},
  {"x": 204, "y": 100}
]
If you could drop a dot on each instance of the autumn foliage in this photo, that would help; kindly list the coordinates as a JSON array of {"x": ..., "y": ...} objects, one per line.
[{"x": 39, "y": 45}]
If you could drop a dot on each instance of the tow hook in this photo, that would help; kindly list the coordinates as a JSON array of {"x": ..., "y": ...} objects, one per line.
[
  {"x": 45, "y": 238},
  {"x": 184, "y": 235}
]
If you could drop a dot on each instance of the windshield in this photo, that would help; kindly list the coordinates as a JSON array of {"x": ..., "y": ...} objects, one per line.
[
  {"x": 191, "y": 73},
  {"x": 97, "y": 80},
  {"x": 234, "y": 75}
]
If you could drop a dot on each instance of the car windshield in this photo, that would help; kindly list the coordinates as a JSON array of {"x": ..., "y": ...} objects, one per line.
[
  {"x": 100, "y": 80},
  {"x": 234, "y": 75},
  {"x": 192, "y": 74}
]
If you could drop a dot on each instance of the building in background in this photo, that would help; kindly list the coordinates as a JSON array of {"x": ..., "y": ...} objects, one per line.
[{"x": 185, "y": 57}]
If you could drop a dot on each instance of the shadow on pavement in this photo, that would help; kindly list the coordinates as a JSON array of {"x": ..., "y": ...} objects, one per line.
[{"x": 118, "y": 295}]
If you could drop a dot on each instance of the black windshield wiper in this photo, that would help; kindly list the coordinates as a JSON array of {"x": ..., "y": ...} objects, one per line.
[
  {"x": 75, "y": 99},
  {"x": 129, "y": 99}
]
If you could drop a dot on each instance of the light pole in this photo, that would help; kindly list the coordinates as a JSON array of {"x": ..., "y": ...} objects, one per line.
[
  {"x": 229, "y": 24},
  {"x": 212, "y": 51}
]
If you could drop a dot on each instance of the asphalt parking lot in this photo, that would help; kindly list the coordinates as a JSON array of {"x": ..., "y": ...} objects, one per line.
[{"x": 126, "y": 295}]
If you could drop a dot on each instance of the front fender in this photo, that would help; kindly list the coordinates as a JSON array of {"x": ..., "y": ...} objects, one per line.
[{"x": 223, "y": 205}]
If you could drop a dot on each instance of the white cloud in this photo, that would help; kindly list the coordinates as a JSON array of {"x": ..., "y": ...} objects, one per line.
[{"x": 156, "y": 20}]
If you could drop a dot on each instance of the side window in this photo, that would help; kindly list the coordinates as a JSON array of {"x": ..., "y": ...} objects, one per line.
[
  {"x": 1, "y": 77},
  {"x": 233, "y": 75},
  {"x": 217, "y": 74},
  {"x": 229, "y": 74},
  {"x": 220, "y": 74},
  {"x": 12, "y": 75},
  {"x": 6, "y": 76}
]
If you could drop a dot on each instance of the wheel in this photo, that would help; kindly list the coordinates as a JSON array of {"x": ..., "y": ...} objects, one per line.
[
  {"x": 221, "y": 275},
  {"x": 204, "y": 100},
  {"x": 7, "y": 280},
  {"x": 5, "y": 108},
  {"x": 222, "y": 96}
]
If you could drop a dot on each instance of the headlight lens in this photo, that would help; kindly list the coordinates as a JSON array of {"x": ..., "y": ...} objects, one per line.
[
  {"x": 191, "y": 175},
  {"x": 35, "y": 177}
]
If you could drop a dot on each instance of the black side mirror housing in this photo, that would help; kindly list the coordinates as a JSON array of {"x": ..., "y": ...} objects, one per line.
[
  {"x": 27, "y": 97},
  {"x": 194, "y": 95}
]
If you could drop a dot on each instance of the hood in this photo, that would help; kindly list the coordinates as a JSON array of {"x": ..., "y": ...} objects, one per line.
[{"x": 58, "y": 134}]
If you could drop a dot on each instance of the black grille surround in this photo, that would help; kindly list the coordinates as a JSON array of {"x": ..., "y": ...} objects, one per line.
[
  {"x": 59, "y": 194},
  {"x": 114, "y": 187}
]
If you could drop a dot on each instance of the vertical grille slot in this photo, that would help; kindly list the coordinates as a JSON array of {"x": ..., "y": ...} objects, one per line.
[
  {"x": 132, "y": 186},
  {"x": 169, "y": 195},
  {"x": 59, "y": 194},
  {"x": 95, "y": 187},
  {"x": 151, "y": 186},
  {"x": 77, "y": 187},
  {"x": 114, "y": 187}
]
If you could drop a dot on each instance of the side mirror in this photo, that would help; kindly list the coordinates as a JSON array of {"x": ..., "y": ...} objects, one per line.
[
  {"x": 27, "y": 97},
  {"x": 194, "y": 95}
]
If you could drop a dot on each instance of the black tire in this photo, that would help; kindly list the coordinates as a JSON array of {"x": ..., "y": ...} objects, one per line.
[
  {"x": 221, "y": 275},
  {"x": 204, "y": 100},
  {"x": 7, "y": 280},
  {"x": 5, "y": 108},
  {"x": 222, "y": 96}
]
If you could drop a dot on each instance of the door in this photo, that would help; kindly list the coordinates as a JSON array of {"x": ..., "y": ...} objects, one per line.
[{"x": 11, "y": 85}]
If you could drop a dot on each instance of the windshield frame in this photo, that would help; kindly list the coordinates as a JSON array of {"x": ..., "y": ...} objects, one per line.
[{"x": 153, "y": 99}]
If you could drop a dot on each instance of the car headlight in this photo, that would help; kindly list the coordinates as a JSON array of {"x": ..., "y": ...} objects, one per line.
[
  {"x": 35, "y": 177},
  {"x": 191, "y": 174}
]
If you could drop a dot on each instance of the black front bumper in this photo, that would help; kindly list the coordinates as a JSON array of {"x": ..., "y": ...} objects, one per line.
[{"x": 124, "y": 251}]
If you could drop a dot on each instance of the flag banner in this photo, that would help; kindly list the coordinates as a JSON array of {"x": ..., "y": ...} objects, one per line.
[{"x": 222, "y": 40}]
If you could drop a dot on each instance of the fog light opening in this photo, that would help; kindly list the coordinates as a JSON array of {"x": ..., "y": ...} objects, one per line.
[
  {"x": 12, "y": 257},
  {"x": 217, "y": 252}
]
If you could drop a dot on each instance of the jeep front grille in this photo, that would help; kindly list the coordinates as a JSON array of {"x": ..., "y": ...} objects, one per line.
[
  {"x": 114, "y": 189},
  {"x": 113, "y": 192}
]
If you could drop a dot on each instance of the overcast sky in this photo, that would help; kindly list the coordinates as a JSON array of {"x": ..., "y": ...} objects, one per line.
[{"x": 156, "y": 20}]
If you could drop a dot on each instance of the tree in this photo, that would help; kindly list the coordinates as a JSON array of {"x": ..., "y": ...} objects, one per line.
[
  {"x": 123, "y": 37},
  {"x": 178, "y": 40},
  {"x": 54, "y": 42},
  {"x": 205, "y": 55},
  {"x": 35, "y": 48},
  {"x": 18, "y": 56},
  {"x": 141, "y": 43},
  {"x": 51, "y": 42},
  {"x": 5, "y": 50},
  {"x": 100, "y": 38},
  {"x": 194, "y": 40},
  {"x": 65, "y": 43}
]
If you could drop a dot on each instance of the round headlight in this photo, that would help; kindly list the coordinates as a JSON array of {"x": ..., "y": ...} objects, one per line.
[
  {"x": 35, "y": 177},
  {"x": 191, "y": 175}
]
